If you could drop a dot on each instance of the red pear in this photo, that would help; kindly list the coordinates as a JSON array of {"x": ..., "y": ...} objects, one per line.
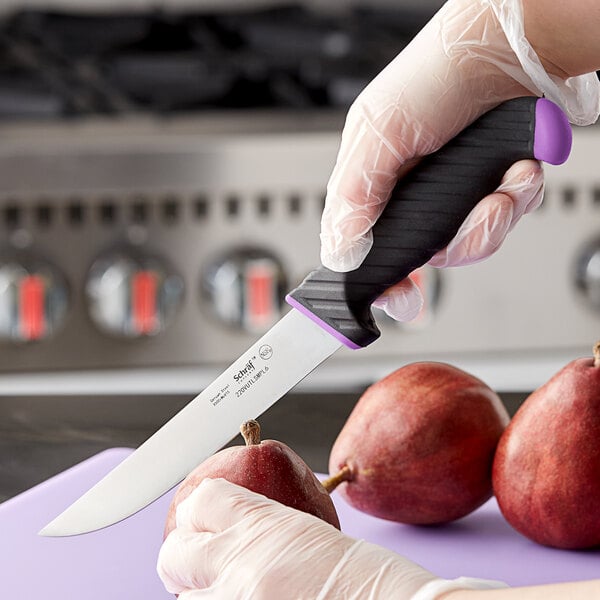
[
  {"x": 270, "y": 468},
  {"x": 546, "y": 472},
  {"x": 419, "y": 445}
]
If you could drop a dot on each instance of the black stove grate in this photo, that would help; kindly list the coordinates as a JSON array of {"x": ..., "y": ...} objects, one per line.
[{"x": 59, "y": 65}]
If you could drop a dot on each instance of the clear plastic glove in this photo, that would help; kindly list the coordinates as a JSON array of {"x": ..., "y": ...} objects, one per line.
[
  {"x": 469, "y": 58},
  {"x": 232, "y": 543}
]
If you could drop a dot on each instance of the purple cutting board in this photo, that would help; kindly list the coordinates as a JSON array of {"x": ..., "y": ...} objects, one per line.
[{"x": 119, "y": 562}]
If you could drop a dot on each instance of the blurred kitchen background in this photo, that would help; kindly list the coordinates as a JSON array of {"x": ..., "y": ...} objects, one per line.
[{"x": 163, "y": 167}]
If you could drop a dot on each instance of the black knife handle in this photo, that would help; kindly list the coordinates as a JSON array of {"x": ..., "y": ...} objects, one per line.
[{"x": 426, "y": 209}]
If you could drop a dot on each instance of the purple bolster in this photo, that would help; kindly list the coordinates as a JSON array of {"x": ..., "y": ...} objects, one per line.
[
  {"x": 552, "y": 136},
  {"x": 328, "y": 328}
]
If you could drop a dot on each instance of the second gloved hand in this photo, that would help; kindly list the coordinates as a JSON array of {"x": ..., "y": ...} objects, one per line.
[{"x": 232, "y": 543}]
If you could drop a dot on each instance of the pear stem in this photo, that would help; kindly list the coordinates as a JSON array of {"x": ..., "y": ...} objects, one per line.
[
  {"x": 250, "y": 431},
  {"x": 344, "y": 474},
  {"x": 597, "y": 354}
]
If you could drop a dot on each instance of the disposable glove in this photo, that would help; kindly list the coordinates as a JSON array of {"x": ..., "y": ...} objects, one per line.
[
  {"x": 470, "y": 57},
  {"x": 232, "y": 543}
]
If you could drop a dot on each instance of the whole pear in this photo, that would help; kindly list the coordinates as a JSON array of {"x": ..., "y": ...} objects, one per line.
[
  {"x": 266, "y": 467},
  {"x": 546, "y": 473},
  {"x": 419, "y": 445}
]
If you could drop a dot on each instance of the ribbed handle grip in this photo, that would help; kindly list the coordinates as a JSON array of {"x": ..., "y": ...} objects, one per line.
[{"x": 427, "y": 208}]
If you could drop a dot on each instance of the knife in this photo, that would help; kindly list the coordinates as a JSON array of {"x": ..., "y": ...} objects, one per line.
[{"x": 329, "y": 309}]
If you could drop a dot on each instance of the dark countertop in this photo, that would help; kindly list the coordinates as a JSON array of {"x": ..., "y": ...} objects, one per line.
[{"x": 42, "y": 436}]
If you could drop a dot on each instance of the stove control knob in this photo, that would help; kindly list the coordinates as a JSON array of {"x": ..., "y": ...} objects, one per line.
[
  {"x": 34, "y": 299},
  {"x": 245, "y": 289},
  {"x": 132, "y": 295},
  {"x": 587, "y": 273}
]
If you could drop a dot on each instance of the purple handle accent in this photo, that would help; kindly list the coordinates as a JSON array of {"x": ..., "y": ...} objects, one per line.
[
  {"x": 328, "y": 328},
  {"x": 553, "y": 137}
]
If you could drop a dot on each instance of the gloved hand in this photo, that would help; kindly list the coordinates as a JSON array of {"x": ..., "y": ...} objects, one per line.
[
  {"x": 232, "y": 543},
  {"x": 472, "y": 56}
]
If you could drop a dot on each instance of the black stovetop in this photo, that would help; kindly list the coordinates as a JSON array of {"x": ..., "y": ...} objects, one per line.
[{"x": 58, "y": 65}]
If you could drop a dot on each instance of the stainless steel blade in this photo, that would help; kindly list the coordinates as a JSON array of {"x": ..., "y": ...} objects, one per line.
[{"x": 288, "y": 352}]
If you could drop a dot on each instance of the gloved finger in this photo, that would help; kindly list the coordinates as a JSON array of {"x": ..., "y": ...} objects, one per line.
[
  {"x": 481, "y": 234},
  {"x": 486, "y": 227},
  {"x": 199, "y": 560},
  {"x": 370, "y": 161},
  {"x": 206, "y": 594},
  {"x": 352, "y": 206},
  {"x": 184, "y": 561},
  {"x": 524, "y": 183},
  {"x": 196, "y": 594},
  {"x": 402, "y": 302},
  {"x": 216, "y": 505}
]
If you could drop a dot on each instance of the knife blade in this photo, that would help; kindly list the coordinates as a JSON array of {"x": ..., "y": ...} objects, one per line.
[{"x": 329, "y": 309}]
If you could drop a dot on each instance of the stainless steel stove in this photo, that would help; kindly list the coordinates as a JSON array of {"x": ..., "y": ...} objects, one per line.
[{"x": 162, "y": 176}]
